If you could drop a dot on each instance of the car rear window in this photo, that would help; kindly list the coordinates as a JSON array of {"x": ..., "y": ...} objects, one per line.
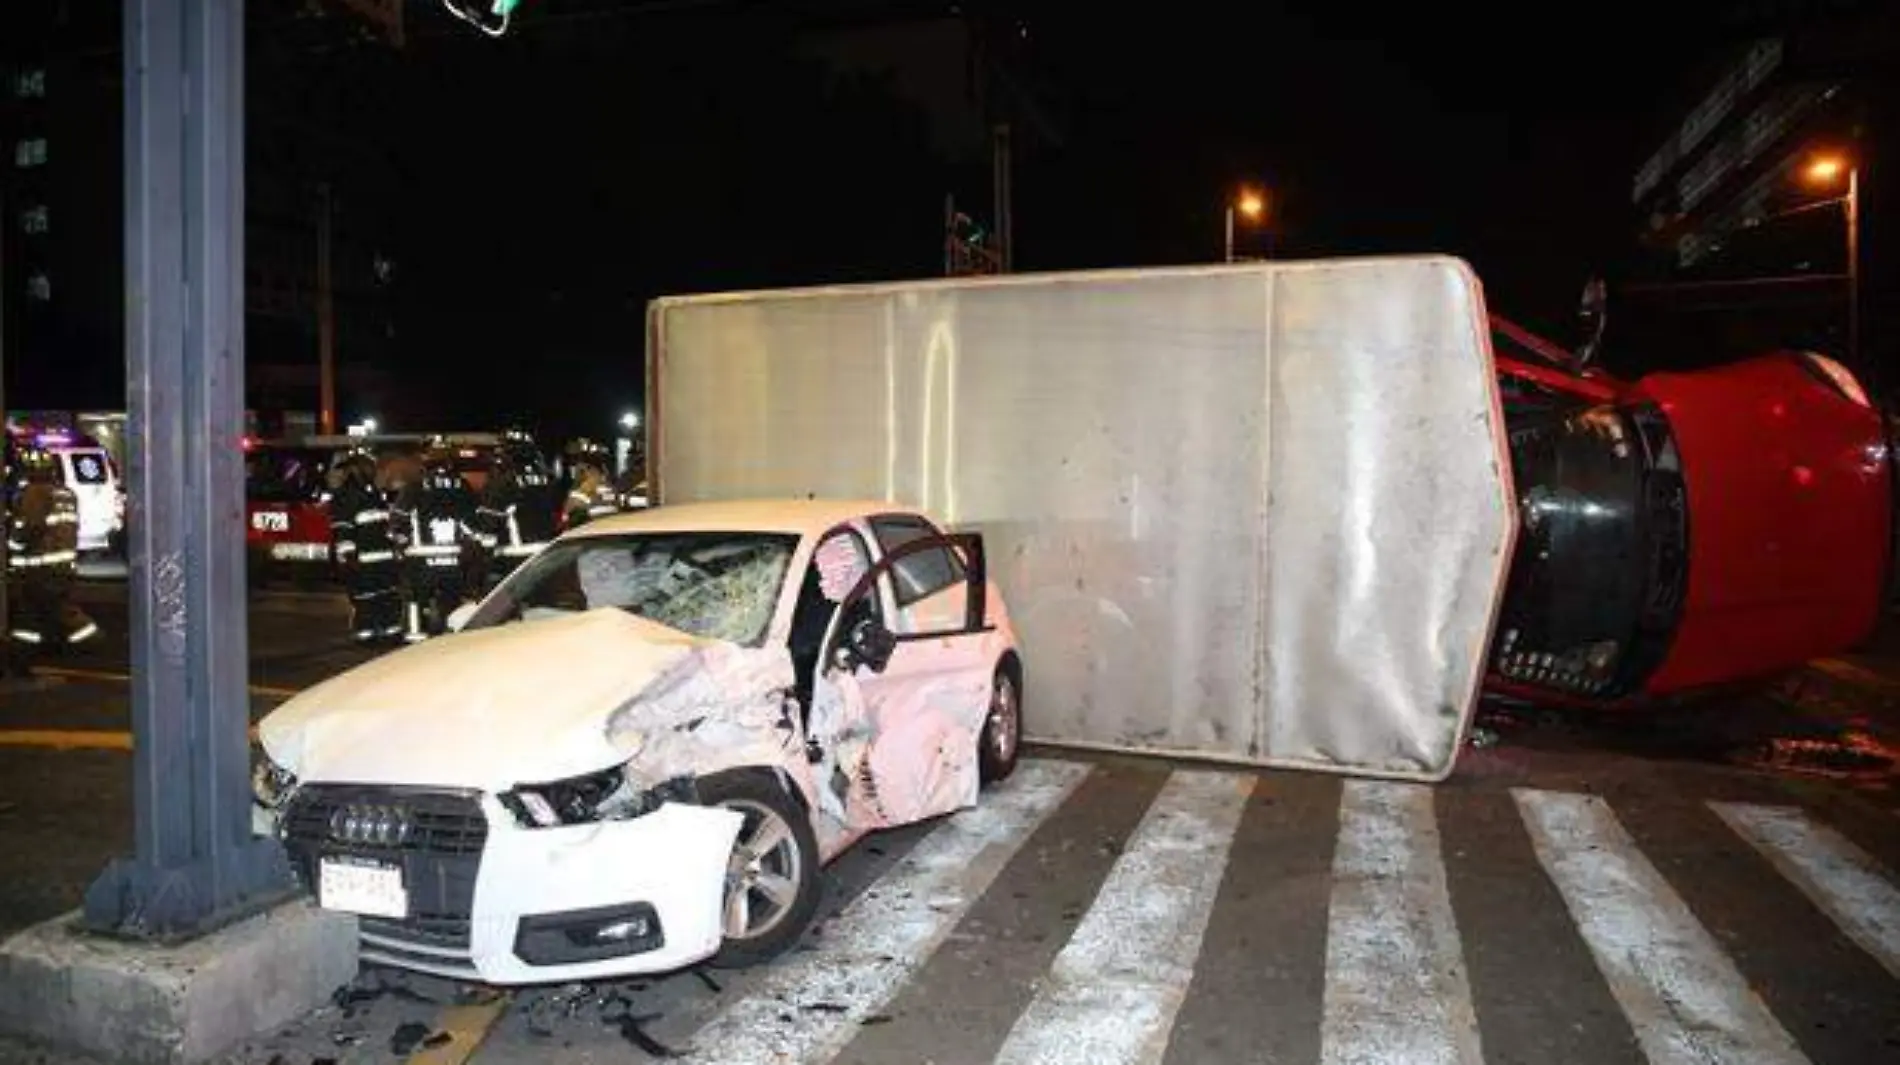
[{"x": 90, "y": 467}]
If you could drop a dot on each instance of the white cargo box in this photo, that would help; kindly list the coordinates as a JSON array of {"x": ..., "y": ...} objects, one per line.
[{"x": 1256, "y": 513}]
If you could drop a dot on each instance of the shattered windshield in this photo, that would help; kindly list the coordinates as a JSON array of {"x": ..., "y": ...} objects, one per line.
[{"x": 721, "y": 586}]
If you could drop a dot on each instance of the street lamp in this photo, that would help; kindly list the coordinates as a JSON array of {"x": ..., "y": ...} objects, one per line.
[
  {"x": 630, "y": 421},
  {"x": 1251, "y": 205},
  {"x": 1825, "y": 170}
]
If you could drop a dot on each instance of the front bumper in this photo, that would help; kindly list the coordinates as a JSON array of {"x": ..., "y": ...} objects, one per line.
[{"x": 544, "y": 905}]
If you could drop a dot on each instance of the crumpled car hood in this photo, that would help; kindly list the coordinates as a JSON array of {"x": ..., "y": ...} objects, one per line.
[{"x": 526, "y": 702}]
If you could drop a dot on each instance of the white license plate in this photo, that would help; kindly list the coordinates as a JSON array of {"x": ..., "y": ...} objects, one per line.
[
  {"x": 362, "y": 887},
  {"x": 270, "y": 521},
  {"x": 300, "y": 552}
]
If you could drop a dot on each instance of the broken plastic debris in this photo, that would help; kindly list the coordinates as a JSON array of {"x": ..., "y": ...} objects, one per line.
[
  {"x": 633, "y": 1031},
  {"x": 407, "y": 1038}
]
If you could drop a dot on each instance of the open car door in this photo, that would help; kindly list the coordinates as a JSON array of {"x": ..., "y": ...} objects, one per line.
[{"x": 898, "y": 704}]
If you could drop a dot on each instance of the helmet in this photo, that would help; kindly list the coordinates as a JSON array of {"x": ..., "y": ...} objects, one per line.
[
  {"x": 584, "y": 453},
  {"x": 36, "y": 465}
]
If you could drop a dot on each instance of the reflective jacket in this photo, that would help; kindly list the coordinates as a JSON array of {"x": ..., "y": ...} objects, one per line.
[
  {"x": 360, "y": 525},
  {"x": 591, "y": 497},
  {"x": 43, "y": 529},
  {"x": 516, "y": 517},
  {"x": 438, "y": 526}
]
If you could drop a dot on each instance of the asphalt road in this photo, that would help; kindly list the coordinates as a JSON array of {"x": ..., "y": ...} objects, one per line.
[{"x": 1711, "y": 884}]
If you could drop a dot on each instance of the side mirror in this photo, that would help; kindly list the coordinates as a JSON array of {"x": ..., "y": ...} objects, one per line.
[
  {"x": 1593, "y": 310},
  {"x": 460, "y": 616},
  {"x": 866, "y": 642}
]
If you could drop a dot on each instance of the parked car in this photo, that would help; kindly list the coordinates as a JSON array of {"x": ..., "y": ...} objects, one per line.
[
  {"x": 638, "y": 751},
  {"x": 1686, "y": 529}
]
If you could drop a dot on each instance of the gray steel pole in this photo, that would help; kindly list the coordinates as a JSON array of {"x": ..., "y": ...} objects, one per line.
[
  {"x": 196, "y": 865},
  {"x": 1230, "y": 233}
]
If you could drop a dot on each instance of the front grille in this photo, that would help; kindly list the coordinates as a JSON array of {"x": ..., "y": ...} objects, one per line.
[
  {"x": 439, "y": 822},
  {"x": 438, "y": 847},
  {"x": 442, "y": 931}
]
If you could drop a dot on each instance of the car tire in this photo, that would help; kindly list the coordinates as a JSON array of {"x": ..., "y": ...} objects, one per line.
[
  {"x": 1001, "y": 741},
  {"x": 789, "y": 864}
]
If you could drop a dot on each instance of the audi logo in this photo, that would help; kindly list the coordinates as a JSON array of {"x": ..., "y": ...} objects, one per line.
[{"x": 380, "y": 826}]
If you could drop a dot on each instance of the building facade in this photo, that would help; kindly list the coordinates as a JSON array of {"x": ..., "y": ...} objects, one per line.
[
  {"x": 61, "y": 172},
  {"x": 1743, "y": 233}
]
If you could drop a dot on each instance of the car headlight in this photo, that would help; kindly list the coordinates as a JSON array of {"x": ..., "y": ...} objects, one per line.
[
  {"x": 575, "y": 801},
  {"x": 271, "y": 783}
]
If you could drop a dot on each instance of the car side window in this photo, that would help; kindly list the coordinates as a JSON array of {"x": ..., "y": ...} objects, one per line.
[{"x": 921, "y": 575}]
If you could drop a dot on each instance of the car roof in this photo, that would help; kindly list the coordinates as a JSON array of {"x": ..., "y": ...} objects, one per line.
[{"x": 803, "y": 517}]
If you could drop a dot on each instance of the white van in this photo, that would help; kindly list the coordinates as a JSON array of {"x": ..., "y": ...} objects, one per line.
[{"x": 89, "y": 471}]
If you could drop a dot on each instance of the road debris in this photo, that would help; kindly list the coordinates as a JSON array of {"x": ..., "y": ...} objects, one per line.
[{"x": 406, "y": 1038}]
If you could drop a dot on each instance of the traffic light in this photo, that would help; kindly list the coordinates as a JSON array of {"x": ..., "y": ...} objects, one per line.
[{"x": 488, "y": 16}]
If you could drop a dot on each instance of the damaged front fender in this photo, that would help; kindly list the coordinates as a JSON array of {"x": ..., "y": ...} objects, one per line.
[
  {"x": 672, "y": 861},
  {"x": 721, "y": 706}
]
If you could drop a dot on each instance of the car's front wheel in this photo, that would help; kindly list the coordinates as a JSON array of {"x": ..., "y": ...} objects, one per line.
[
  {"x": 771, "y": 889},
  {"x": 1001, "y": 741}
]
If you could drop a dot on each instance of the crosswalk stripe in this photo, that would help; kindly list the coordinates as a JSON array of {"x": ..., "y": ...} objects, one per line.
[
  {"x": 1844, "y": 881},
  {"x": 808, "y": 1006},
  {"x": 1682, "y": 995},
  {"x": 1396, "y": 989},
  {"x": 1113, "y": 990}
]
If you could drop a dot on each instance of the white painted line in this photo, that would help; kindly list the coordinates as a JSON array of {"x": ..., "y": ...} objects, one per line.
[
  {"x": 1113, "y": 991},
  {"x": 1680, "y": 992},
  {"x": 1396, "y": 989},
  {"x": 1837, "y": 876},
  {"x": 806, "y": 1008}
]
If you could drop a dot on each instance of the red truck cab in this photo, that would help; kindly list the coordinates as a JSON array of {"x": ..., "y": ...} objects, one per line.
[{"x": 1687, "y": 529}]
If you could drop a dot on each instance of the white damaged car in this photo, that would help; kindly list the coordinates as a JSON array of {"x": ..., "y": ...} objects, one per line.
[{"x": 640, "y": 749}]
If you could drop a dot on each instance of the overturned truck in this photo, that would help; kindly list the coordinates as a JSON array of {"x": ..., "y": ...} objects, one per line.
[{"x": 1259, "y": 513}]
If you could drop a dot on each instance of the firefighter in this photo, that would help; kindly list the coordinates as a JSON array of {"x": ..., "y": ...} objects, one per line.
[
  {"x": 366, "y": 549},
  {"x": 516, "y": 515},
  {"x": 592, "y": 494},
  {"x": 42, "y": 556},
  {"x": 441, "y": 548}
]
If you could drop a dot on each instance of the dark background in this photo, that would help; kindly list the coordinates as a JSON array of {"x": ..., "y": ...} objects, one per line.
[{"x": 530, "y": 194}]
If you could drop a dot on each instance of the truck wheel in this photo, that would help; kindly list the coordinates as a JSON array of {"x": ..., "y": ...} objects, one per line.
[
  {"x": 771, "y": 888},
  {"x": 1002, "y": 739}
]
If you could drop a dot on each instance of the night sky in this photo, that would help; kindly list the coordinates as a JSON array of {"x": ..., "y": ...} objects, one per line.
[{"x": 534, "y": 192}]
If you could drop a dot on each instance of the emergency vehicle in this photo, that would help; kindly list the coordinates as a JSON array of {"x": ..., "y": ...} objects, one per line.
[
  {"x": 286, "y": 517},
  {"x": 86, "y": 467}
]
